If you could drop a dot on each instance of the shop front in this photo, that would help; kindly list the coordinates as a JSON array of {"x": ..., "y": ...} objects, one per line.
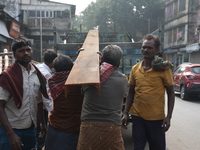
[{"x": 193, "y": 52}]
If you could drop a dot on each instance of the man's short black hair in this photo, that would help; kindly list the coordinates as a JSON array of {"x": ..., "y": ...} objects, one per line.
[
  {"x": 63, "y": 63},
  {"x": 154, "y": 38},
  {"x": 49, "y": 56},
  {"x": 19, "y": 42},
  {"x": 112, "y": 54}
]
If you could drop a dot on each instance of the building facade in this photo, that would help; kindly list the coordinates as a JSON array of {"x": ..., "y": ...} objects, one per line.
[
  {"x": 10, "y": 28},
  {"x": 180, "y": 31},
  {"x": 41, "y": 16},
  {"x": 38, "y": 18},
  {"x": 194, "y": 47}
]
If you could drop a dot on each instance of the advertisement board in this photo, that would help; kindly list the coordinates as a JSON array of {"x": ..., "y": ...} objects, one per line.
[{"x": 14, "y": 29}]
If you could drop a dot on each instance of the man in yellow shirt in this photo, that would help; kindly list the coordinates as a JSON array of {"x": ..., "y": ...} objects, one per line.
[{"x": 146, "y": 97}]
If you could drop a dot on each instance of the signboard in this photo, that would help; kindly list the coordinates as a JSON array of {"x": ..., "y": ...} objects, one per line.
[
  {"x": 14, "y": 29},
  {"x": 192, "y": 47}
]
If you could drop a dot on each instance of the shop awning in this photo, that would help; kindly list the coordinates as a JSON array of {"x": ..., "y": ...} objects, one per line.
[{"x": 4, "y": 32}]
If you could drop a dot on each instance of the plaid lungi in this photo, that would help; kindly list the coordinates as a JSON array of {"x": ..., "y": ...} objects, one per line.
[{"x": 100, "y": 136}]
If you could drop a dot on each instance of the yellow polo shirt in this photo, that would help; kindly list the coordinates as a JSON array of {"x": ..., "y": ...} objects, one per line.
[{"x": 149, "y": 98}]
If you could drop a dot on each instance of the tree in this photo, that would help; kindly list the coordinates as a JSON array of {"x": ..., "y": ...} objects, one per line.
[{"x": 123, "y": 16}]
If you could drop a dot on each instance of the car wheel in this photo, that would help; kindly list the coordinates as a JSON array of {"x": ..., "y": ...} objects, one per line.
[{"x": 184, "y": 94}]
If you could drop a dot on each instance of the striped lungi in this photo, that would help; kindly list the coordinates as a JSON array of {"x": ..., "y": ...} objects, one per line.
[{"x": 100, "y": 136}]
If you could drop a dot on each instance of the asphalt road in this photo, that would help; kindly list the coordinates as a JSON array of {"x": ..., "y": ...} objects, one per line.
[{"x": 184, "y": 133}]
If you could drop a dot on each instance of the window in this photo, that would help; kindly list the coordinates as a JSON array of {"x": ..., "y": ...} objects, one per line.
[
  {"x": 182, "y": 69},
  {"x": 169, "y": 11},
  {"x": 32, "y": 13},
  {"x": 181, "y": 33},
  {"x": 38, "y": 13},
  {"x": 51, "y": 42},
  {"x": 51, "y": 14},
  {"x": 47, "y": 14},
  {"x": 175, "y": 8},
  {"x": 66, "y": 14},
  {"x": 42, "y": 13},
  {"x": 195, "y": 70},
  {"x": 182, "y": 4},
  {"x": 59, "y": 14},
  {"x": 177, "y": 70},
  {"x": 170, "y": 36},
  {"x": 174, "y": 35},
  {"x": 55, "y": 14}
]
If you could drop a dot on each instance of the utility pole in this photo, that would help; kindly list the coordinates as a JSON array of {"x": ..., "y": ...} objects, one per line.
[
  {"x": 149, "y": 21},
  {"x": 40, "y": 32},
  {"x": 55, "y": 38},
  {"x": 149, "y": 24}
]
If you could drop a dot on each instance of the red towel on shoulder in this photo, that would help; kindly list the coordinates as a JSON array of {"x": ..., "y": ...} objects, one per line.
[
  {"x": 11, "y": 79},
  {"x": 105, "y": 71},
  {"x": 57, "y": 82}
]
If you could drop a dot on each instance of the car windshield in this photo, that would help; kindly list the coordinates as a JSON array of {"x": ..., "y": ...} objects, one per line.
[{"x": 195, "y": 70}]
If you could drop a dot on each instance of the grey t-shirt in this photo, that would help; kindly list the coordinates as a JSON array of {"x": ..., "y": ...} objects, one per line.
[{"x": 106, "y": 107}]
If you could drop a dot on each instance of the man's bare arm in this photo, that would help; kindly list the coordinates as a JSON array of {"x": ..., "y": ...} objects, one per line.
[
  {"x": 41, "y": 118},
  {"x": 14, "y": 139},
  {"x": 129, "y": 102},
  {"x": 170, "y": 106}
]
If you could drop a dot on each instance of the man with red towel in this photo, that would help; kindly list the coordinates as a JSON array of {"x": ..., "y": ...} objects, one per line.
[{"x": 21, "y": 88}]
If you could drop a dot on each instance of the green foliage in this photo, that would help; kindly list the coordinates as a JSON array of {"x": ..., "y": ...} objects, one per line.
[
  {"x": 122, "y": 16},
  {"x": 66, "y": 14}
]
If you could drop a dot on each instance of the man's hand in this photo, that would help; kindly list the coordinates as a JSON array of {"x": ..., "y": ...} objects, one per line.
[
  {"x": 166, "y": 124},
  {"x": 43, "y": 130},
  {"x": 125, "y": 120},
  {"x": 15, "y": 141},
  {"x": 79, "y": 50}
]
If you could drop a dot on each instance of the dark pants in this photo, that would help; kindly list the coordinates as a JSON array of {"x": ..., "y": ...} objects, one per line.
[
  {"x": 41, "y": 141},
  {"x": 151, "y": 131},
  {"x": 27, "y": 136},
  {"x": 57, "y": 140}
]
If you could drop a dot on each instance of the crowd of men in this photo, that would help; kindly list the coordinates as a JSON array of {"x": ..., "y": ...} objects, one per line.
[{"x": 35, "y": 112}]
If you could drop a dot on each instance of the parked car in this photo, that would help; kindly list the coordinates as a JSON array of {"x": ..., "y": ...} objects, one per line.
[{"x": 187, "y": 80}]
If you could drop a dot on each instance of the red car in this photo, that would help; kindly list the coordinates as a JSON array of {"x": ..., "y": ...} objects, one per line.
[{"x": 187, "y": 80}]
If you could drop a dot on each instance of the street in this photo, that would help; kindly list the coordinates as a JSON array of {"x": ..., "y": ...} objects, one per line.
[
  {"x": 184, "y": 133},
  {"x": 127, "y": 136}
]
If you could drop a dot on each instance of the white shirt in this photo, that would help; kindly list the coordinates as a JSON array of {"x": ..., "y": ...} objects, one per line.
[
  {"x": 47, "y": 72},
  {"x": 24, "y": 117}
]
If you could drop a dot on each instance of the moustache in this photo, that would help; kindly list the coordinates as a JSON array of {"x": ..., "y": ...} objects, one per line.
[
  {"x": 26, "y": 57},
  {"x": 145, "y": 53}
]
